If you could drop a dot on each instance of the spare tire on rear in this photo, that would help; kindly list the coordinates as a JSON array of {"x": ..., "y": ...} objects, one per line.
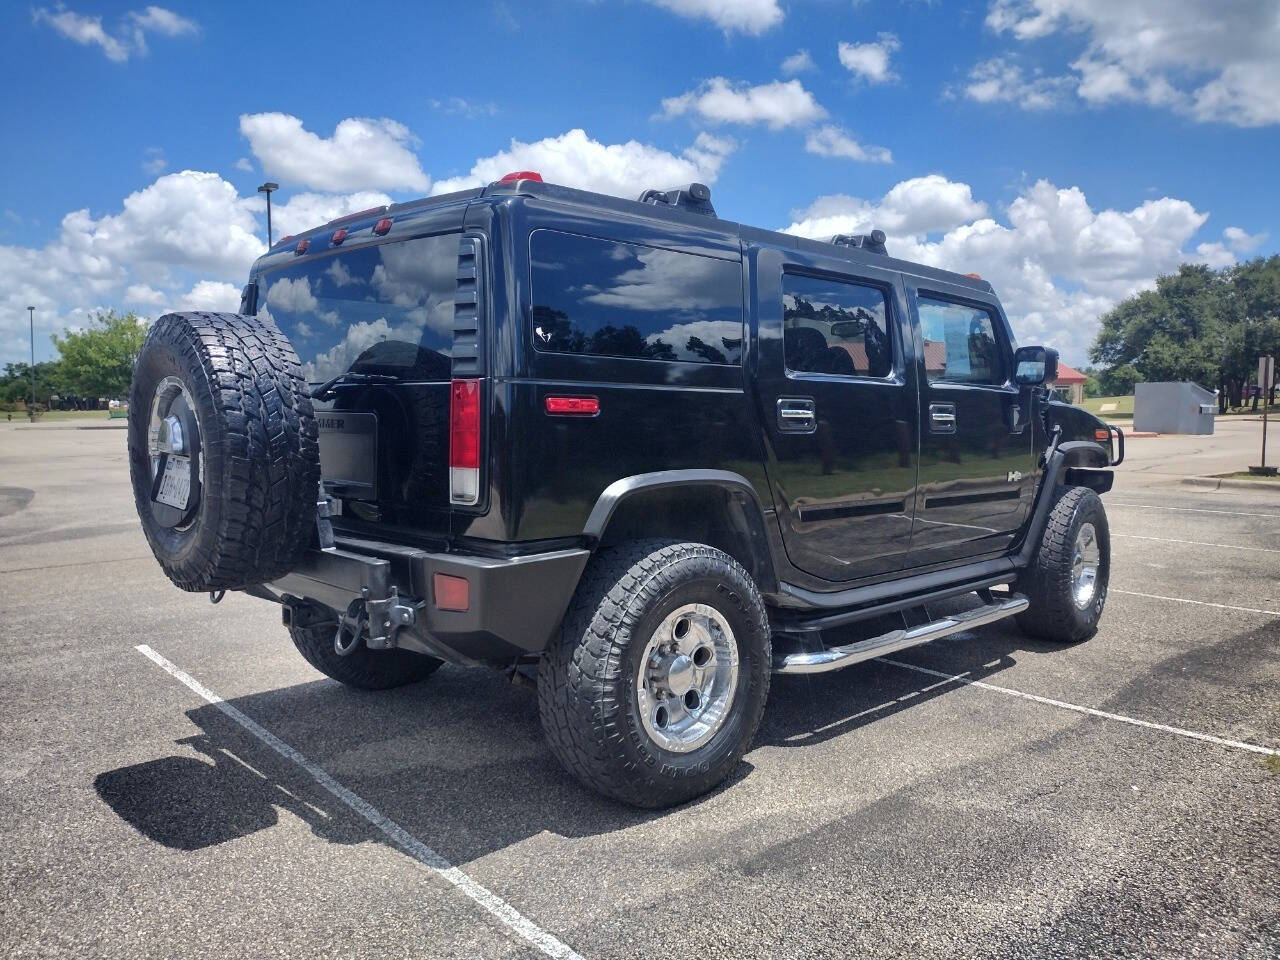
[{"x": 222, "y": 450}]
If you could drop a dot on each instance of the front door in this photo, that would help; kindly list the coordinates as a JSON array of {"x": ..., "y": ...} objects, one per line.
[
  {"x": 837, "y": 394},
  {"x": 977, "y": 466}
]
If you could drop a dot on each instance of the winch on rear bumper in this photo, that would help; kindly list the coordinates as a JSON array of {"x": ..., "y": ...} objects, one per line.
[{"x": 461, "y": 608}]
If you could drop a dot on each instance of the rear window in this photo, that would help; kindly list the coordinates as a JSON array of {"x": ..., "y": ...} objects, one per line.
[
  {"x": 614, "y": 299},
  {"x": 380, "y": 309}
]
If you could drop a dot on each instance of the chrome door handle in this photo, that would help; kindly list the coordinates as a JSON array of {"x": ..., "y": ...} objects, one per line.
[
  {"x": 796, "y": 415},
  {"x": 942, "y": 418}
]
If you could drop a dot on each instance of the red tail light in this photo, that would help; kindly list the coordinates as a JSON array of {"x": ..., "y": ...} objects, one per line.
[
  {"x": 464, "y": 441},
  {"x": 521, "y": 175}
]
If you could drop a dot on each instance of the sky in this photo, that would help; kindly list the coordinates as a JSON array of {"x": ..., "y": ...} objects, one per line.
[{"x": 1070, "y": 151}]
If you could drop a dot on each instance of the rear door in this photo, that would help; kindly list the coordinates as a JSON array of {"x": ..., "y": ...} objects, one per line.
[
  {"x": 383, "y": 310},
  {"x": 837, "y": 396},
  {"x": 977, "y": 467}
]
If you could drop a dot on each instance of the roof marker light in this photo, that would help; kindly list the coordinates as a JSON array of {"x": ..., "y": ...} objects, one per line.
[
  {"x": 974, "y": 276},
  {"x": 338, "y": 236},
  {"x": 301, "y": 248},
  {"x": 382, "y": 227},
  {"x": 522, "y": 175}
]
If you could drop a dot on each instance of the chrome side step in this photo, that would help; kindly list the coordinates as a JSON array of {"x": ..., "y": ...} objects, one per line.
[{"x": 835, "y": 658}]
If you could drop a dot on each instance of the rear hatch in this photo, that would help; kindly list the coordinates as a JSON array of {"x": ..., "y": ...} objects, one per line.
[{"x": 376, "y": 317}]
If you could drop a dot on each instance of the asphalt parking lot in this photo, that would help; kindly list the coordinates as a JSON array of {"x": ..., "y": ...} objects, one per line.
[{"x": 984, "y": 796}]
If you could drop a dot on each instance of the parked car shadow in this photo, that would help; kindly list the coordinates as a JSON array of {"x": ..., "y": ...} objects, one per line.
[{"x": 459, "y": 760}]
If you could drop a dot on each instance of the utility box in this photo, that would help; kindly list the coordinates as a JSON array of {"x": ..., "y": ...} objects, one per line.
[{"x": 1173, "y": 408}]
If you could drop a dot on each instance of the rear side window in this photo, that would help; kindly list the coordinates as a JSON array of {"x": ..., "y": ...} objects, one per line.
[
  {"x": 379, "y": 309},
  {"x": 613, "y": 299},
  {"x": 960, "y": 344},
  {"x": 833, "y": 326}
]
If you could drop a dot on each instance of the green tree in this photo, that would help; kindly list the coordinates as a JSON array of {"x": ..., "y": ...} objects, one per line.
[
  {"x": 98, "y": 360},
  {"x": 1198, "y": 324}
]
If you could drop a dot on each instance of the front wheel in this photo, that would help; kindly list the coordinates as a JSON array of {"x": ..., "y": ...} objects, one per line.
[
  {"x": 655, "y": 687},
  {"x": 1068, "y": 579}
]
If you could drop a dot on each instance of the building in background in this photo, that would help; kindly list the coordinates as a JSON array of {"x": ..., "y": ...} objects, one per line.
[{"x": 1070, "y": 383}]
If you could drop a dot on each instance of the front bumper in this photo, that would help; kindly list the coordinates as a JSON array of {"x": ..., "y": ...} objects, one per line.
[{"x": 516, "y": 603}]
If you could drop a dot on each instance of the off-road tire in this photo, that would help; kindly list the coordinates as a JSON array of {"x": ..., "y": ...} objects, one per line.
[
  {"x": 1053, "y": 614},
  {"x": 587, "y": 676},
  {"x": 312, "y": 629},
  {"x": 260, "y": 459}
]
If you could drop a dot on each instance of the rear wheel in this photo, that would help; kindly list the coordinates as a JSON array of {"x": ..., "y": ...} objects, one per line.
[
  {"x": 655, "y": 687},
  {"x": 1068, "y": 579},
  {"x": 314, "y": 630}
]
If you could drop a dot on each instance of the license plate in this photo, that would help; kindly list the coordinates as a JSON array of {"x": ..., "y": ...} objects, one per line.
[{"x": 175, "y": 485}]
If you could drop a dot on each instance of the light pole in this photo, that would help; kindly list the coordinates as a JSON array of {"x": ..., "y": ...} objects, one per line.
[
  {"x": 31, "y": 316},
  {"x": 269, "y": 188}
]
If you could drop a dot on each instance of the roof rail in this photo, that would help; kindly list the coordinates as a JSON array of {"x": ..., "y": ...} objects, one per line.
[
  {"x": 872, "y": 242},
  {"x": 696, "y": 198}
]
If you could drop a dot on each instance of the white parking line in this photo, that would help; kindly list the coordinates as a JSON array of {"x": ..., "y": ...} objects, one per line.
[
  {"x": 1198, "y": 603},
  {"x": 1152, "y": 506},
  {"x": 398, "y": 836},
  {"x": 1190, "y": 734},
  {"x": 1196, "y": 543}
]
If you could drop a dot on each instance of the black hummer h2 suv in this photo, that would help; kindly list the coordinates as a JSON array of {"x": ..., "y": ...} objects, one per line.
[{"x": 654, "y": 454}]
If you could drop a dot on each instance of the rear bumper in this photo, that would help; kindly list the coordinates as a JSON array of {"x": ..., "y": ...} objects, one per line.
[{"x": 516, "y": 603}]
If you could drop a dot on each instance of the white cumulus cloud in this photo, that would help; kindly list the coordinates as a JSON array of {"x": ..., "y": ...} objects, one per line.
[
  {"x": 1056, "y": 263},
  {"x": 128, "y": 39},
  {"x": 362, "y": 153},
  {"x": 921, "y": 205},
  {"x": 783, "y": 103},
  {"x": 798, "y": 62},
  {"x": 870, "y": 61},
  {"x": 619, "y": 169},
  {"x": 306, "y": 210},
  {"x": 831, "y": 141},
  {"x": 212, "y": 295},
  {"x": 1002, "y": 80},
  {"x": 153, "y": 251},
  {"x": 1213, "y": 60},
  {"x": 745, "y": 16}
]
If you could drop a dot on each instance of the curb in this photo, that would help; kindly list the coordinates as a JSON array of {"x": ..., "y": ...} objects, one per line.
[{"x": 1228, "y": 483}]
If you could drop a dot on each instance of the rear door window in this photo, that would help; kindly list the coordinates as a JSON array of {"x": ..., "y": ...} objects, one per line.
[
  {"x": 378, "y": 309},
  {"x": 835, "y": 326},
  {"x": 615, "y": 299}
]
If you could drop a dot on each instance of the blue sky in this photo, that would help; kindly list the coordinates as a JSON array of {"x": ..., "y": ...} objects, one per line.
[{"x": 1069, "y": 150}]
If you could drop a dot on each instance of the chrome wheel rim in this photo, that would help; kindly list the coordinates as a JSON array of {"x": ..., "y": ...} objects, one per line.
[
  {"x": 687, "y": 678},
  {"x": 1085, "y": 563}
]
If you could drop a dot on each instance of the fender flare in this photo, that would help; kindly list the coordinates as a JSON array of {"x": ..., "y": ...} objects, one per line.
[{"x": 746, "y": 514}]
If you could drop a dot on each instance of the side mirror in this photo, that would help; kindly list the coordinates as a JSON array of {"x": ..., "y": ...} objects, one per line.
[{"x": 1034, "y": 366}]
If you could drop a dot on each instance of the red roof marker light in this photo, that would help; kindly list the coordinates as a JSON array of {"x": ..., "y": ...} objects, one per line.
[
  {"x": 382, "y": 227},
  {"x": 522, "y": 175},
  {"x": 338, "y": 236},
  {"x": 301, "y": 248}
]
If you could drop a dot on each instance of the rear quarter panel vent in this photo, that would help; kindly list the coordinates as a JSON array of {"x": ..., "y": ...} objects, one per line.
[{"x": 468, "y": 314}]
